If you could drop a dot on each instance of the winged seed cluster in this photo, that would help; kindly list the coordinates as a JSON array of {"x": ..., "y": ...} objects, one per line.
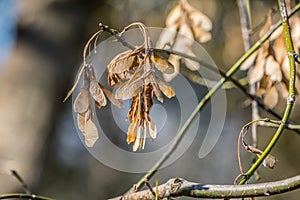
[
  {"x": 134, "y": 71},
  {"x": 83, "y": 104},
  {"x": 271, "y": 64},
  {"x": 191, "y": 24}
]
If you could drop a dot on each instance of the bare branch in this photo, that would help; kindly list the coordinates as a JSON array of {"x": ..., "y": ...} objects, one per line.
[{"x": 179, "y": 187}]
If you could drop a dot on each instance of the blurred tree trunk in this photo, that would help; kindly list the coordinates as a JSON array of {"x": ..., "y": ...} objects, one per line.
[{"x": 34, "y": 81}]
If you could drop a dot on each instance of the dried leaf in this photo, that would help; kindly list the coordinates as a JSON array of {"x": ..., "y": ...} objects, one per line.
[
  {"x": 163, "y": 65},
  {"x": 249, "y": 62},
  {"x": 82, "y": 101},
  {"x": 97, "y": 93},
  {"x": 271, "y": 97},
  {"x": 272, "y": 68},
  {"x": 200, "y": 20},
  {"x": 174, "y": 16},
  {"x": 166, "y": 88}
]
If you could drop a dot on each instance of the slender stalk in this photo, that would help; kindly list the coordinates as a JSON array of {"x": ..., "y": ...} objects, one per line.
[
  {"x": 291, "y": 98},
  {"x": 245, "y": 16},
  {"x": 23, "y": 196}
]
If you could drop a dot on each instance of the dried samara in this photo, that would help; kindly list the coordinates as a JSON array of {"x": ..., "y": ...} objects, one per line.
[{"x": 135, "y": 72}]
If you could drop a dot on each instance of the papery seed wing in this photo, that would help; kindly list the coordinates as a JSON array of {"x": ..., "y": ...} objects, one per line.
[
  {"x": 137, "y": 140},
  {"x": 128, "y": 91},
  {"x": 122, "y": 62},
  {"x": 277, "y": 33},
  {"x": 185, "y": 30},
  {"x": 271, "y": 97},
  {"x": 191, "y": 64},
  {"x": 279, "y": 49},
  {"x": 201, "y": 35},
  {"x": 143, "y": 138},
  {"x": 283, "y": 90},
  {"x": 133, "y": 108},
  {"x": 297, "y": 85},
  {"x": 257, "y": 72},
  {"x": 200, "y": 20},
  {"x": 174, "y": 16},
  {"x": 163, "y": 64},
  {"x": 151, "y": 127},
  {"x": 148, "y": 98},
  {"x": 285, "y": 67},
  {"x": 111, "y": 97},
  {"x": 156, "y": 89},
  {"x": 97, "y": 93},
  {"x": 90, "y": 133},
  {"x": 130, "y": 88},
  {"x": 167, "y": 37},
  {"x": 249, "y": 62},
  {"x": 82, "y": 101},
  {"x": 81, "y": 121},
  {"x": 175, "y": 60},
  {"x": 132, "y": 132},
  {"x": 166, "y": 88},
  {"x": 273, "y": 69}
]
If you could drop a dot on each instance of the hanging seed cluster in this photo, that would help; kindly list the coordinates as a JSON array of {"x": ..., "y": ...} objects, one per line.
[
  {"x": 135, "y": 74},
  {"x": 184, "y": 24},
  {"x": 271, "y": 65}
]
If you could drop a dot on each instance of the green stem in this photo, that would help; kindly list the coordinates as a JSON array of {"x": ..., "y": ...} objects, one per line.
[{"x": 291, "y": 98}]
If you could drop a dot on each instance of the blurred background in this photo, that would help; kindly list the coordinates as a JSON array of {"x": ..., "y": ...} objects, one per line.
[{"x": 41, "y": 44}]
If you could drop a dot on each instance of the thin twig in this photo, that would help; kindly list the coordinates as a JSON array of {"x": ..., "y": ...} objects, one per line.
[
  {"x": 247, "y": 147},
  {"x": 21, "y": 181},
  {"x": 246, "y": 25},
  {"x": 291, "y": 97},
  {"x": 151, "y": 189},
  {"x": 179, "y": 187},
  {"x": 24, "y": 196}
]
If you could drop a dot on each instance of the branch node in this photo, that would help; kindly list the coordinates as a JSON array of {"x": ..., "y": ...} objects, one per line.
[{"x": 291, "y": 99}]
